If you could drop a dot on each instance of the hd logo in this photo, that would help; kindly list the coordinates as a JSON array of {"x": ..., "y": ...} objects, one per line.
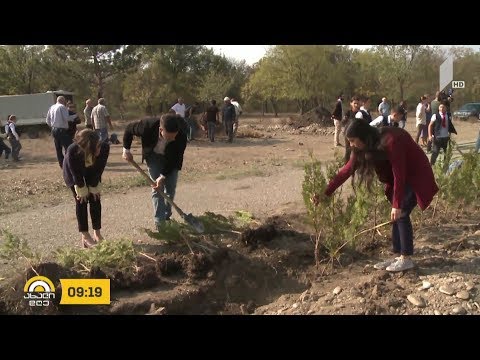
[{"x": 39, "y": 291}]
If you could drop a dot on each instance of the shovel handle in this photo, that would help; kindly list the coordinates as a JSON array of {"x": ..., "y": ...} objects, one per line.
[{"x": 149, "y": 179}]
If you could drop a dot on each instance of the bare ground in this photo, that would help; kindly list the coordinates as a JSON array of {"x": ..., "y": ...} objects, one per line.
[{"x": 263, "y": 176}]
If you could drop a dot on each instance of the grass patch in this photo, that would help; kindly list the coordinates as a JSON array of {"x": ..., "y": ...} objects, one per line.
[
  {"x": 13, "y": 248},
  {"x": 235, "y": 174},
  {"x": 117, "y": 255}
]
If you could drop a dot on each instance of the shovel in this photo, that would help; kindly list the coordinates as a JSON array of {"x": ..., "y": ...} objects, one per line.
[{"x": 189, "y": 218}]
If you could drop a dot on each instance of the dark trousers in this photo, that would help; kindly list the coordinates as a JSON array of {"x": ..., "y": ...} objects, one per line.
[
  {"x": 5, "y": 147},
  {"x": 16, "y": 147},
  {"x": 82, "y": 215},
  {"x": 61, "y": 138},
  {"x": 402, "y": 230},
  {"x": 211, "y": 130},
  {"x": 438, "y": 143},
  {"x": 229, "y": 129}
]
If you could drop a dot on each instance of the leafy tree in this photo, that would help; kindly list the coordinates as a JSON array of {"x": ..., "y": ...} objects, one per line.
[{"x": 395, "y": 66}]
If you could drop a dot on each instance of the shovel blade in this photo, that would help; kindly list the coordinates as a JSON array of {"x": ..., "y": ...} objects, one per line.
[{"x": 195, "y": 223}]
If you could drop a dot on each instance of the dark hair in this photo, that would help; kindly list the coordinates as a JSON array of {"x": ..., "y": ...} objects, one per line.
[
  {"x": 87, "y": 140},
  {"x": 169, "y": 122},
  {"x": 214, "y": 102},
  {"x": 364, "y": 160}
]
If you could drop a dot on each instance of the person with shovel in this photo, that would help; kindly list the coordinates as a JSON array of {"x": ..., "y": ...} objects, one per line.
[
  {"x": 163, "y": 146},
  {"x": 397, "y": 160}
]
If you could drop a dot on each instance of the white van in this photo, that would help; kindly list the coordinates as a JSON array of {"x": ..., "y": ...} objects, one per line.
[{"x": 30, "y": 110}]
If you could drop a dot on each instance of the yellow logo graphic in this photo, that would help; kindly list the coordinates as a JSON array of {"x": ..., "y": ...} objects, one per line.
[{"x": 39, "y": 290}]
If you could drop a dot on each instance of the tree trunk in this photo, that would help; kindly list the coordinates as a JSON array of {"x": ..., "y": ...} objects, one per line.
[
  {"x": 266, "y": 106},
  {"x": 274, "y": 106},
  {"x": 401, "y": 91}
]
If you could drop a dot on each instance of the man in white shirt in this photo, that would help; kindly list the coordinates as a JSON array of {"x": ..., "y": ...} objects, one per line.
[
  {"x": 238, "y": 112},
  {"x": 180, "y": 109},
  {"x": 57, "y": 119}
]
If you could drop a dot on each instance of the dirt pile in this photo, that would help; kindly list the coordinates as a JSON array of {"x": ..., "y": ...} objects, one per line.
[{"x": 318, "y": 115}]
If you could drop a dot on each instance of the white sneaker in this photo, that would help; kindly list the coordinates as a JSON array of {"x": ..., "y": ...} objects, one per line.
[
  {"x": 401, "y": 264},
  {"x": 384, "y": 264}
]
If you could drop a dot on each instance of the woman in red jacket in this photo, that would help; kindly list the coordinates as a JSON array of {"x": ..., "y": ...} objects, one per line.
[{"x": 403, "y": 167}]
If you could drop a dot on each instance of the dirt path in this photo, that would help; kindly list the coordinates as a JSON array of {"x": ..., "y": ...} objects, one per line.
[{"x": 126, "y": 215}]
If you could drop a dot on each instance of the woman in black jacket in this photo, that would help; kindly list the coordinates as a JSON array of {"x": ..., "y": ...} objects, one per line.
[{"x": 83, "y": 167}]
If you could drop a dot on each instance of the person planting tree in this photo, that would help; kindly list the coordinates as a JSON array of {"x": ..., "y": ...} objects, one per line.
[{"x": 397, "y": 160}]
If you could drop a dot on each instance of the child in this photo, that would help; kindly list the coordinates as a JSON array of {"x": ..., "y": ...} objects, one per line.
[
  {"x": 13, "y": 137},
  {"x": 83, "y": 167}
]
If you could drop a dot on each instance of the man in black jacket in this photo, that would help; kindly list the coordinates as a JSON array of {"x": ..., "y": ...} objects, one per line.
[{"x": 163, "y": 146}]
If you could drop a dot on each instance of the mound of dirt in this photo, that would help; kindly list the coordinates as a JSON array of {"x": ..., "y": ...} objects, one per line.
[{"x": 318, "y": 115}]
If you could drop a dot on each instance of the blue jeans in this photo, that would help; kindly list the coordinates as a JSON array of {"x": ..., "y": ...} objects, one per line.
[
  {"x": 477, "y": 145},
  {"x": 229, "y": 129},
  {"x": 162, "y": 210},
  {"x": 61, "y": 138},
  {"x": 102, "y": 133},
  {"x": 402, "y": 230},
  {"x": 211, "y": 130}
]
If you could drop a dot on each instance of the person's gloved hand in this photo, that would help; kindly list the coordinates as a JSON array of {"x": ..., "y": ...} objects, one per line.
[
  {"x": 82, "y": 193},
  {"x": 95, "y": 191}
]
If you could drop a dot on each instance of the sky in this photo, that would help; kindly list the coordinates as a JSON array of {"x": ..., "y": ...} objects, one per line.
[{"x": 252, "y": 53}]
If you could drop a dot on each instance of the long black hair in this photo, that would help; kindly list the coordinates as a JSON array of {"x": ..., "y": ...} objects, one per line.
[{"x": 364, "y": 160}]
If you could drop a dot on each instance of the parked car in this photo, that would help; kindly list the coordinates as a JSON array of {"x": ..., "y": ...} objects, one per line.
[{"x": 467, "y": 111}]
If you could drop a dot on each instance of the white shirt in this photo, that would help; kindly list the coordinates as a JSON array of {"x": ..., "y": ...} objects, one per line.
[
  {"x": 179, "y": 109},
  {"x": 378, "y": 121},
  {"x": 421, "y": 117},
  {"x": 238, "y": 108},
  {"x": 443, "y": 133},
  {"x": 57, "y": 116},
  {"x": 11, "y": 126}
]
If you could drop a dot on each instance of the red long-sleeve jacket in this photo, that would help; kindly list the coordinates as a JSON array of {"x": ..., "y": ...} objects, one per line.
[{"x": 406, "y": 164}]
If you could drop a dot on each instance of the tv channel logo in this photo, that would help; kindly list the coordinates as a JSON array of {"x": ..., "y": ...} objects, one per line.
[{"x": 39, "y": 291}]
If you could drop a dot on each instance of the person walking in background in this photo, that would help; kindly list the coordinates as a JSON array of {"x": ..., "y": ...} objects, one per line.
[
  {"x": 100, "y": 118},
  {"x": 404, "y": 110},
  {"x": 238, "y": 112},
  {"x": 3, "y": 146},
  {"x": 163, "y": 147},
  {"x": 72, "y": 125},
  {"x": 228, "y": 117},
  {"x": 384, "y": 108},
  {"x": 179, "y": 108},
  {"x": 365, "y": 109},
  {"x": 58, "y": 119},
  {"x": 421, "y": 121},
  {"x": 439, "y": 131},
  {"x": 212, "y": 117},
  {"x": 13, "y": 137},
  {"x": 352, "y": 115},
  {"x": 337, "y": 116},
  {"x": 83, "y": 166},
  {"x": 397, "y": 160},
  {"x": 87, "y": 112},
  {"x": 428, "y": 117}
]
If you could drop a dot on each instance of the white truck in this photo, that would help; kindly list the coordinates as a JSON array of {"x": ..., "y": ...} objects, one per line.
[{"x": 30, "y": 110}]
